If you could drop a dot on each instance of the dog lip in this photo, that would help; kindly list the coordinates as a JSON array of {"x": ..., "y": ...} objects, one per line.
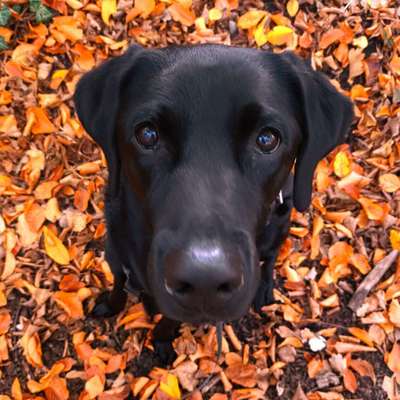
[{"x": 168, "y": 288}]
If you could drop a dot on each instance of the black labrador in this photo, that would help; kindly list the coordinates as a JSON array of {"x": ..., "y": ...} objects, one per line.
[{"x": 200, "y": 143}]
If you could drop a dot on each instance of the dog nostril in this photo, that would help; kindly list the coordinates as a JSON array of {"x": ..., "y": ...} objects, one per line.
[
  {"x": 183, "y": 288},
  {"x": 224, "y": 288},
  {"x": 180, "y": 288}
]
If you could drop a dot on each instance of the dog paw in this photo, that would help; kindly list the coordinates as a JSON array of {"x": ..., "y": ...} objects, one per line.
[
  {"x": 105, "y": 308},
  {"x": 264, "y": 296},
  {"x": 165, "y": 352}
]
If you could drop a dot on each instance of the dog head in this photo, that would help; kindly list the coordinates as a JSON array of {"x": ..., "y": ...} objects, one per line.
[{"x": 204, "y": 137}]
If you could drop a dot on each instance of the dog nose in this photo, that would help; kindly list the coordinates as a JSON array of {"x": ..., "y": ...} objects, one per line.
[{"x": 204, "y": 272}]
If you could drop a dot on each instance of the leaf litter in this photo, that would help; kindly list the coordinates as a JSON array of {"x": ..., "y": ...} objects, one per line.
[{"x": 309, "y": 344}]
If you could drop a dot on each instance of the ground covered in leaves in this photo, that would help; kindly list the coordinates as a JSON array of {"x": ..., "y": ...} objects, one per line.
[{"x": 308, "y": 345}]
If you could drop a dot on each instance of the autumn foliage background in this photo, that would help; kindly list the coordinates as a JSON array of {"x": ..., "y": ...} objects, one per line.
[{"x": 310, "y": 344}]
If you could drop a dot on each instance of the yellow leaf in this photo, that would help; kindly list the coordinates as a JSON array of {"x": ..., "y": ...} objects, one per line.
[
  {"x": 341, "y": 164},
  {"x": 214, "y": 14},
  {"x": 94, "y": 386},
  {"x": 171, "y": 388},
  {"x": 292, "y": 7},
  {"x": 395, "y": 239},
  {"x": 55, "y": 248},
  {"x": 260, "y": 35},
  {"x": 108, "y": 7},
  {"x": 394, "y": 312},
  {"x": 250, "y": 19},
  {"x": 280, "y": 35}
]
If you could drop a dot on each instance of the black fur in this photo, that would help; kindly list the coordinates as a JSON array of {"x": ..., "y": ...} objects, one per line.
[{"x": 206, "y": 187}]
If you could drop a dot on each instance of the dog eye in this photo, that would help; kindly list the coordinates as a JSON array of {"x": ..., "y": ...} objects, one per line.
[
  {"x": 268, "y": 140},
  {"x": 147, "y": 135}
]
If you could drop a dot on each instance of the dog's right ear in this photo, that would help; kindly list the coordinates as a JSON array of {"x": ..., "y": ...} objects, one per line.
[{"x": 96, "y": 100}]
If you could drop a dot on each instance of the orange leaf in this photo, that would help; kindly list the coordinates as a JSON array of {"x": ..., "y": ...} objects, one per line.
[
  {"x": 8, "y": 124},
  {"x": 145, "y": 7},
  {"x": 30, "y": 343},
  {"x": 393, "y": 359},
  {"x": 374, "y": 211},
  {"x": 55, "y": 248},
  {"x": 88, "y": 168},
  {"x": 16, "y": 390},
  {"x": 6, "y": 33},
  {"x": 363, "y": 368},
  {"x": 57, "y": 389},
  {"x": 24, "y": 54},
  {"x": 81, "y": 199},
  {"x": 34, "y": 215},
  {"x": 358, "y": 92},
  {"x": 3, "y": 349},
  {"x": 350, "y": 381},
  {"x": 41, "y": 123},
  {"x": 314, "y": 367},
  {"x": 330, "y": 37},
  {"x": 360, "y": 262},
  {"x": 44, "y": 190},
  {"x": 395, "y": 239},
  {"x": 362, "y": 335},
  {"x": 5, "y": 321},
  {"x": 389, "y": 183},
  {"x": 70, "y": 302},
  {"x": 84, "y": 59},
  {"x": 243, "y": 375},
  {"x": 318, "y": 225},
  {"x": 71, "y": 283},
  {"x": 5, "y": 97},
  {"x": 181, "y": 14},
  {"x": 394, "y": 312},
  {"x": 66, "y": 28}
]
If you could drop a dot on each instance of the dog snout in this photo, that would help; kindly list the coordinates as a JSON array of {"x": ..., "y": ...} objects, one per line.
[{"x": 204, "y": 274}]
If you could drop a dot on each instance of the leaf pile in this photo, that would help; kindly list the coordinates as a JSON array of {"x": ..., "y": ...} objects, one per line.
[{"x": 309, "y": 344}]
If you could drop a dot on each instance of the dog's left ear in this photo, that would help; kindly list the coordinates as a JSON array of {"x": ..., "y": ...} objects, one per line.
[{"x": 327, "y": 116}]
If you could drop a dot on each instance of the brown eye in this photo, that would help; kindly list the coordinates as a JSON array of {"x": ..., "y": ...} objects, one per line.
[
  {"x": 268, "y": 140},
  {"x": 147, "y": 135}
]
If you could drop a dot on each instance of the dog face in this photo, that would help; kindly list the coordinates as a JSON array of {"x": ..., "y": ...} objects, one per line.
[{"x": 203, "y": 138}]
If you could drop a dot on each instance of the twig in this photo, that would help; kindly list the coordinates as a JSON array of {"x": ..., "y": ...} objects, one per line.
[{"x": 371, "y": 280}]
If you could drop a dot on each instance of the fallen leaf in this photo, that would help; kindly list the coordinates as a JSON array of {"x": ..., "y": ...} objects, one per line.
[
  {"x": 70, "y": 302},
  {"x": 292, "y": 7},
  {"x": 171, "y": 387},
  {"x": 280, "y": 35},
  {"x": 395, "y": 239},
  {"x": 55, "y": 248}
]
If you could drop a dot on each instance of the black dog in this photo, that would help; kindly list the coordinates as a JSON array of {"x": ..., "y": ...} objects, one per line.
[{"x": 199, "y": 143}]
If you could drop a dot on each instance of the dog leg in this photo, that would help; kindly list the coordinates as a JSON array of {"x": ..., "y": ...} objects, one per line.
[
  {"x": 165, "y": 332},
  {"x": 112, "y": 302}
]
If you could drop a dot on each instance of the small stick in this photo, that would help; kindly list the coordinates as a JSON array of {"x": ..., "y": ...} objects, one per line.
[
  {"x": 219, "y": 338},
  {"x": 371, "y": 280}
]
